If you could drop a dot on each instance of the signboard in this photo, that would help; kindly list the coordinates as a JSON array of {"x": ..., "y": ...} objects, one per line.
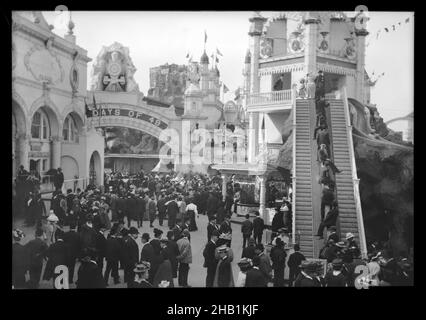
[{"x": 105, "y": 111}]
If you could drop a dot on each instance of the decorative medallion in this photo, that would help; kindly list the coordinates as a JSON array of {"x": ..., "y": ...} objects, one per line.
[
  {"x": 349, "y": 50},
  {"x": 43, "y": 64},
  {"x": 266, "y": 48},
  {"x": 74, "y": 78},
  {"x": 323, "y": 42},
  {"x": 296, "y": 44}
]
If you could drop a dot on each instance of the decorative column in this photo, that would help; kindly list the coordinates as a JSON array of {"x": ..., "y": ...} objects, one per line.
[
  {"x": 262, "y": 200},
  {"x": 360, "y": 65},
  {"x": 55, "y": 151},
  {"x": 23, "y": 149},
  {"x": 224, "y": 182},
  {"x": 253, "y": 136},
  {"x": 311, "y": 28},
  {"x": 255, "y": 32}
]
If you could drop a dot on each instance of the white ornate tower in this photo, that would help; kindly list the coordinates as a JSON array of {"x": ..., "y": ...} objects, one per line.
[{"x": 204, "y": 63}]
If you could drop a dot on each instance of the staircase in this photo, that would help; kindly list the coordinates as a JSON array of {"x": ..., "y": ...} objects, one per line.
[
  {"x": 347, "y": 220},
  {"x": 307, "y": 190}
]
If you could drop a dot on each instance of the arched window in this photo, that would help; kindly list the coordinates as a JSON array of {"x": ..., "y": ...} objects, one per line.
[
  {"x": 40, "y": 126},
  {"x": 70, "y": 132}
]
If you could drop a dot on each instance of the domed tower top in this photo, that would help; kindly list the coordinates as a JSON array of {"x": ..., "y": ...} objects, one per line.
[
  {"x": 248, "y": 57},
  {"x": 204, "y": 58}
]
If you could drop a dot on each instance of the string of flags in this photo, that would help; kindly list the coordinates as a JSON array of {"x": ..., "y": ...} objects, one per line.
[{"x": 391, "y": 28}]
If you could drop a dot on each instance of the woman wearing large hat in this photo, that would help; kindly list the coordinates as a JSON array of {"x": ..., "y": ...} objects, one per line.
[
  {"x": 224, "y": 276},
  {"x": 245, "y": 265},
  {"x": 141, "y": 275},
  {"x": 19, "y": 260}
]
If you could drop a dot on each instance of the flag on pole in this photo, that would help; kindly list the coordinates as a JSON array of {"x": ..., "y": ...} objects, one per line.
[
  {"x": 218, "y": 52},
  {"x": 94, "y": 103},
  {"x": 86, "y": 108},
  {"x": 237, "y": 94},
  {"x": 225, "y": 88}
]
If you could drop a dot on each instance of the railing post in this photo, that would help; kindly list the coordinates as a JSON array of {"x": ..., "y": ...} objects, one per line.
[
  {"x": 360, "y": 219},
  {"x": 293, "y": 93}
]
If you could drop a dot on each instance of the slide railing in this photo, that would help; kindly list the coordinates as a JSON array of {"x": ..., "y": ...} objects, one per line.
[{"x": 360, "y": 220}]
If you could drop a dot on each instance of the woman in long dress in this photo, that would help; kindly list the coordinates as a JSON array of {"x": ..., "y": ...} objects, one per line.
[
  {"x": 224, "y": 277},
  {"x": 164, "y": 272},
  {"x": 191, "y": 211}
]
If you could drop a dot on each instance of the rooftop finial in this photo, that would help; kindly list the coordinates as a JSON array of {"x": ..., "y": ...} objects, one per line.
[{"x": 71, "y": 25}]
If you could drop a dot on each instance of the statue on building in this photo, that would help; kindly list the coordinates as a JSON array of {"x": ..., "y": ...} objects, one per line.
[{"x": 114, "y": 70}]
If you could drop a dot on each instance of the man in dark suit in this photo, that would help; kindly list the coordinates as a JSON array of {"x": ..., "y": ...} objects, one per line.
[
  {"x": 162, "y": 209},
  {"x": 100, "y": 247},
  {"x": 172, "y": 211},
  {"x": 131, "y": 255},
  {"x": 87, "y": 234},
  {"x": 278, "y": 256},
  {"x": 327, "y": 199},
  {"x": 258, "y": 227},
  {"x": 147, "y": 252},
  {"x": 293, "y": 263},
  {"x": 141, "y": 207},
  {"x": 58, "y": 179},
  {"x": 255, "y": 277},
  {"x": 329, "y": 221},
  {"x": 226, "y": 228},
  {"x": 212, "y": 205},
  {"x": 210, "y": 261},
  {"x": 72, "y": 240},
  {"x": 112, "y": 256},
  {"x": 212, "y": 226},
  {"x": 36, "y": 249},
  {"x": 250, "y": 250},
  {"x": 320, "y": 85},
  {"x": 246, "y": 229},
  {"x": 89, "y": 275}
]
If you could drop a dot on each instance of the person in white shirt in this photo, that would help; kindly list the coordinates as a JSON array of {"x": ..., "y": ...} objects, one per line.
[{"x": 191, "y": 211}]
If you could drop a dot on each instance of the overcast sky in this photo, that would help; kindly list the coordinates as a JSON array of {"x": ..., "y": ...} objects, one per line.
[{"x": 156, "y": 38}]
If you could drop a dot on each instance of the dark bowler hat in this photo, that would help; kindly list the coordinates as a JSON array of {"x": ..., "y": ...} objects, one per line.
[
  {"x": 133, "y": 230},
  {"x": 157, "y": 232}
]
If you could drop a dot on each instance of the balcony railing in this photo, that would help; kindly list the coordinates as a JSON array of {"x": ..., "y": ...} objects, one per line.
[{"x": 274, "y": 97}]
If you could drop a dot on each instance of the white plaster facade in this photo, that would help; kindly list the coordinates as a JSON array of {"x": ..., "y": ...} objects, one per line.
[{"x": 49, "y": 77}]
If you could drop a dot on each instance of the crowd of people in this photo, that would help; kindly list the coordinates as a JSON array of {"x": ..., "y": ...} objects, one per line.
[{"x": 95, "y": 212}]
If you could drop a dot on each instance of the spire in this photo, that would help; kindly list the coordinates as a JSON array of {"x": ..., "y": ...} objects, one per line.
[
  {"x": 248, "y": 57},
  {"x": 204, "y": 58}
]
